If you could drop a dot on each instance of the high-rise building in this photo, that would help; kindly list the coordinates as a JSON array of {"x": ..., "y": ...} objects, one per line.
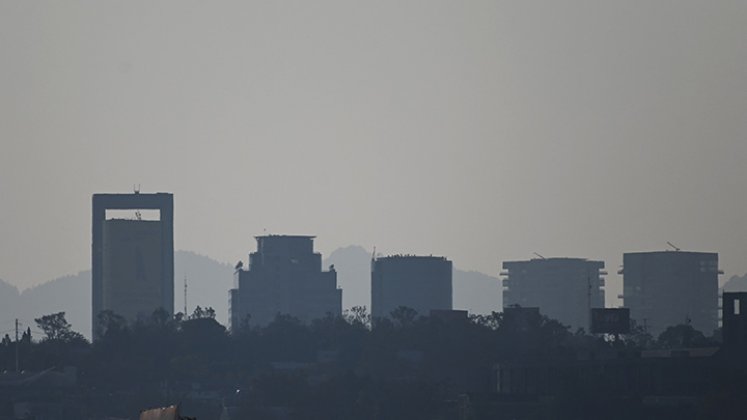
[
  {"x": 564, "y": 289},
  {"x": 132, "y": 264},
  {"x": 285, "y": 277},
  {"x": 734, "y": 319},
  {"x": 422, "y": 283},
  {"x": 668, "y": 288}
]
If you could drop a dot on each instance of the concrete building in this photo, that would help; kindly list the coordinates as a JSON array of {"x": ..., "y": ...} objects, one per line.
[
  {"x": 564, "y": 289},
  {"x": 667, "y": 288},
  {"x": 284, "y": 276},
  {"x": 417, "y": 282},
  {"x": 734, "y": 321},
  {"x": 132, "y": 263}
]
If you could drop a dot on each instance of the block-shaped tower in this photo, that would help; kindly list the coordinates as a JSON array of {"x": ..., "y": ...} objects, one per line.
[
  {"x": 667, "y": 288},
  {"x": 285, "y": 277},
  {"x": 422, "y": 283},
  {"x": 565, "y": 289},
  {"x": 132, "y": 261}
]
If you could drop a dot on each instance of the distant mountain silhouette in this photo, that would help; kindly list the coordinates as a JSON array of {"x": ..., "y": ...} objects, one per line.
[
  {"x": 736, "y": 284},
  {"x": 71, "y": 294},
  {"x": 208, "y": 282},
  {"x": 8, "y": 305},
  {"x": 353, "y": 266},
  {"x": 476, "y": 292}
]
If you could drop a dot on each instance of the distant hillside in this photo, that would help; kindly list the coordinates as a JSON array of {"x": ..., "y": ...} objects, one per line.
[
  {"x": 353, "y": 266},
  {"x": 477, "y": 292},
  {"x": 8, "y": 304},
  {"x": 208, "y": 284},
  {"x": 473, "y": 291},
  {"x": 736, "y": 284},
  {"x": 71, "y": 294}
]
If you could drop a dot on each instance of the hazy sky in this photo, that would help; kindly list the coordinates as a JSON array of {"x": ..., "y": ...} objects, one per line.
[{"x": 479, "y": 130}]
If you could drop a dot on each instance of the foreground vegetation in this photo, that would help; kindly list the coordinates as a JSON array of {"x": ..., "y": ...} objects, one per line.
[{"x": 405, "y": 367}]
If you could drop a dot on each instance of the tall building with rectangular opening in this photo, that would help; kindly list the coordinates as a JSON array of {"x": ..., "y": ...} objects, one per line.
[
  {"x": 668, "y": 288},
  {"x": 422, "y": 283},
  {"x": 564, "y": 289},
  {"x": 284, "y": 276},
  {"x": 132, "y": 262}
]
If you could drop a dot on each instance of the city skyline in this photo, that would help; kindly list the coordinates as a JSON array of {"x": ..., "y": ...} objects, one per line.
[
  {"x": 482, "y": 132},
  {"x": 418, "y": 209}
]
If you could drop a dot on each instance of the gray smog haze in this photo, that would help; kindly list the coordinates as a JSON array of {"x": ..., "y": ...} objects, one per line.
[{"x": 480, "y": 130}]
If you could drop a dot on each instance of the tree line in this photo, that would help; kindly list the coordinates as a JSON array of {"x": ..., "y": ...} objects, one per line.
[{"x": 402, "y": 366}]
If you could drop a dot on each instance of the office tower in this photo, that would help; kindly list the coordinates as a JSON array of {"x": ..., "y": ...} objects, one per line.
[
  {"x": 422, "y": 283},
  {"x": 668, "y": 288},
  {"x": 564, "y": 289},
  {"x": 284, "y": 276},
  {"x": 132, "y": 264}
]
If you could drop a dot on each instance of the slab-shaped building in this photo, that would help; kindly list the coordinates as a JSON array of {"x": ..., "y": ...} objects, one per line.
[
  {"x": 132, "y": 263},
  {"x": 668, "y": 288},
  {"x": 422, "y": 283},
  {"x": 284, "y": 276},
  {"x": 564, "y": 289}
]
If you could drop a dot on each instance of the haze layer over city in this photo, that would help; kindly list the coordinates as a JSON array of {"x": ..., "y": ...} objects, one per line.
[{"x": 483, "y": 131}]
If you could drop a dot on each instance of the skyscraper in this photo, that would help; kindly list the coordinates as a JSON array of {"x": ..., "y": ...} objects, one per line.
[
  {"x": 422, "y": 283},
  {"x": 132, "y": 263},
  {"x": 668, "y": 288},
  {"x": 284, "y": 277},
  {"x": 564, "y": 289}
]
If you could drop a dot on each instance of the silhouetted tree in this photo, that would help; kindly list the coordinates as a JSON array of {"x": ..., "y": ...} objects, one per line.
[
  {"x": 56, "y": 327},
  {"x": 160, "y": 317},
  {"x": 404, "y": 316},
  {"x": 680, "y": 336},
  {"x": 492, "y": 321},
  {"x": 197, "y": 313},
  {"x": 110, "y": 323},
  {"x": 638, "y": 337},
  {"x": 358, "y": 315}
]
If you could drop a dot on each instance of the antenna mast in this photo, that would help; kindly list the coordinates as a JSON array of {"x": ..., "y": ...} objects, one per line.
[
  {"x": 588, "y": 298},
  {"x": 185, "y": 295},
  {"x": 17, "y": 370}
]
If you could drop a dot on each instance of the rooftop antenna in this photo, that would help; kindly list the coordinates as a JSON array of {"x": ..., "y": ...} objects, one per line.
[
  {"x": 185, "y": 295},
  {"x": 673, "y": 246},
  {"x": 539, "y": 255},
  {"x": 136, "y": 188},
  {"x": 588, "y": 299}
]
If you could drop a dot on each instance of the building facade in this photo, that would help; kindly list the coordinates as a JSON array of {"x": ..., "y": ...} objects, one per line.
[
  {"x": 422, "y": 283},
  {"x": 668, "y": 288},
  {"x": 132, "y": 264},
  {"x": 564, "y": 289},
  {"x": 284, "y": 276}
]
